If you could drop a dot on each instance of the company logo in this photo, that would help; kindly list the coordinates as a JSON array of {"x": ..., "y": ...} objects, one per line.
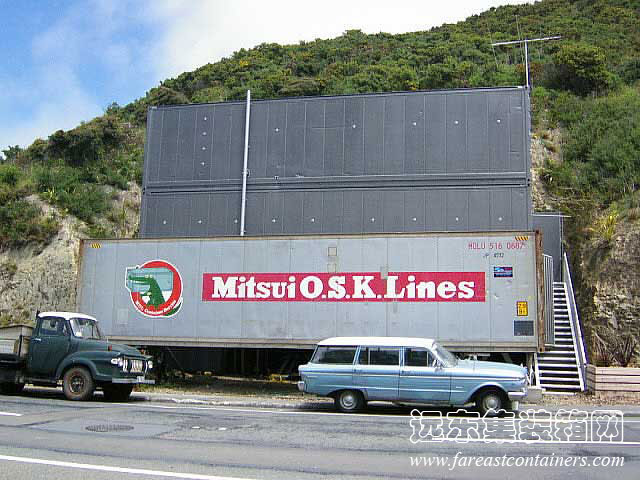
[
  {"x": 155, "y": 288},
  {"x": 345, "y": 287}
]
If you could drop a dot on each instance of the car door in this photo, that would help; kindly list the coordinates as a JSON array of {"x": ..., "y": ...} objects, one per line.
[
  {"x": 422, "y": 378},
  {"x": 48, "y": 346},
  {"x": 376, "y": 371}
]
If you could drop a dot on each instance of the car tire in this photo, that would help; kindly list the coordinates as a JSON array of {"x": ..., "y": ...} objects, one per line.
[
  {"x": 78, "y": 384},
  {"x": 11, "y": 388},
  {"x": 349, "y": 401},
  {"x": 117, "y": 393},
  {"x": 490, "y": 402}
]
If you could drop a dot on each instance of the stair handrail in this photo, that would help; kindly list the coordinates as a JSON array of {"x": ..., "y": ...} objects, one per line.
[{"x": 574, "y": 319}]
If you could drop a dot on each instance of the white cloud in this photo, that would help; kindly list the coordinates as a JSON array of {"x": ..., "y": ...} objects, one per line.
[{"x": 201, "y": 31}]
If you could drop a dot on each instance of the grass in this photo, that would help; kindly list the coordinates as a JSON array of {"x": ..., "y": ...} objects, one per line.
[{"x": 230, "y": 386}]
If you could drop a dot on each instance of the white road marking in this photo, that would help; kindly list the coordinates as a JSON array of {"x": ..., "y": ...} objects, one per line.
[
  {"x": 106, "y": 468},
  {"x": 9, "y": 414},
  {"x": 357, "y": 415}
]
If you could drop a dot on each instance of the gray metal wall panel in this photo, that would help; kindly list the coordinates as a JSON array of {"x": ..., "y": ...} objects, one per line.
[
  {"x": 373, "y": 135},
  {"x": 394, "y": 130},
  {"x": 258, "y": 132},
  {"x": 436, "y": 133},
  {"x": 199, "y": 215},
  {"x": 221, "y": 142},
  {"x": 203, "y": 154},
  {"x": 167, "y": 162},
  {"x": 353, "y": 136},
  {"x": 254, "y": 222},
  {"x": 338, "y": 211},
  {"x": 186, "y": 145},
  {"x": 479, "y": 210},
  {"x": 312, "y": 212},
  {"x": 498, "y": 133},
  {"x": 414, "y": 135},
  {"x": 236, "y": 146},
  {"x": 550, "y": 224},
  {"x": 340, "y": 144},
  {"x": 276, "y": 123},
  {"x": 456, "y": 128},
  {"x": 294, "y": 157},
  {"x": 477, "y": 133}
]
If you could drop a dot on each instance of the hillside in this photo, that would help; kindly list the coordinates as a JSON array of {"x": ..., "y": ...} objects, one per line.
[{"x": 586, "y": 116}]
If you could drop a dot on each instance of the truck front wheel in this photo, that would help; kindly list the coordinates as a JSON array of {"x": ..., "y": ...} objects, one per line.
[
  {"x": 78, "y": 384},
  {"x": 117, "y": 393}
]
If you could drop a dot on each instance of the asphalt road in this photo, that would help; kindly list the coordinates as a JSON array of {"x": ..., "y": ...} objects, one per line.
[{"x": 43, "y": 435}]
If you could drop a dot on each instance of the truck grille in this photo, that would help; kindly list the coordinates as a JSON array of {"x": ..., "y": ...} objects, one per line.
[{"x": 134, "y": 366}]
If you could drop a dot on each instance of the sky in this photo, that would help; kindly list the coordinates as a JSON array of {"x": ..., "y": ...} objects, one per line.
[{"x": 64, "y": 61}]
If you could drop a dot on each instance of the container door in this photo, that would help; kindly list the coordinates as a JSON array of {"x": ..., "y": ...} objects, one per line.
[
  {"x": 420, "y": 379},
  {"x": 377, "y": 372},
  {"x": 49, "y": 347}
]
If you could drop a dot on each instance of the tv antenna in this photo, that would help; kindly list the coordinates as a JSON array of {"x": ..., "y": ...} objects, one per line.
[{"x": 526, "y": 42}]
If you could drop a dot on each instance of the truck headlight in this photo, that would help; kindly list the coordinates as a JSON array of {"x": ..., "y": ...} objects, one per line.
[
  {"x": 119, "y": 361},
  {"x": 149, "y": 365}
]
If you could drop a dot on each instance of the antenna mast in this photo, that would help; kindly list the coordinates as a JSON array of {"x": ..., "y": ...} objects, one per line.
[{"x": 526, "y": 42}]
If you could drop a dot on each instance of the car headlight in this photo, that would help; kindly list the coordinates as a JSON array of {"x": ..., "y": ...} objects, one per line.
[{"x": 149, "y": 365}]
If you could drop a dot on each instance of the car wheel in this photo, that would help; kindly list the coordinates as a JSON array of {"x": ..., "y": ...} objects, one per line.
[
  {"x": 77, "y": 384},
  {"x": 117, "y": 393},
  {"x": 349, "y": 401},
  {"x": 11, "y": 388},
  {"x": 490, "y": 402}
]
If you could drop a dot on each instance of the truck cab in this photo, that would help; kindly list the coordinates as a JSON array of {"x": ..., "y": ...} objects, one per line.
[{"x": 69, "y": 348}]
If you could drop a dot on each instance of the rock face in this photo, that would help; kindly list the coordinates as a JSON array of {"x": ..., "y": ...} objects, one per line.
[
  {"x": 32, "y": 279},
  {"x": 609, "y": 284},
  {"x": 45, "y": 279}
]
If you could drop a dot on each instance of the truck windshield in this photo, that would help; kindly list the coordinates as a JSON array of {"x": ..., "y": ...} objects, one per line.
[
  {"x": 85, "y": 328},
  {"x": 447, "y": 357}
]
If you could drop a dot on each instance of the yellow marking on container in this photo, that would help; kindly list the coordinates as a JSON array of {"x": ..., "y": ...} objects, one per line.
[
  {"x": 95, "y": 245},
  {"x": 523, "y": 309},
  {"x": 522, "y": 238}
]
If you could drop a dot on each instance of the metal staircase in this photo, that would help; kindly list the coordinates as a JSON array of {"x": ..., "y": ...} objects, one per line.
[{"x": 560, "y": 368}]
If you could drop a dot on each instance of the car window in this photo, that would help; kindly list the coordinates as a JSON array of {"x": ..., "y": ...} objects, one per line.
[
  {"x": 418, "y": 357},
  {"x": 53, "y": 327},
  {"x": 379, "y": 356},
  {"x": 336, "y": 355}
]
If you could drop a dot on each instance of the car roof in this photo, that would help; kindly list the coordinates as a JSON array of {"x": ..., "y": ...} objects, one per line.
[
  {"x": 378, "y": 342},
  {"x": 66, "y": 315}
]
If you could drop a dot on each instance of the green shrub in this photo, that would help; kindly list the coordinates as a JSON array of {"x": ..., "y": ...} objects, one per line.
[
  {"x": 10, "y": 174},
  {"x": 62, "y": 186},
  {"x": 22, "y": 223}
]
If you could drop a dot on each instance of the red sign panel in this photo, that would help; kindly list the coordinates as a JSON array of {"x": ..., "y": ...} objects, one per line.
[{"x": 344, "y": 287}]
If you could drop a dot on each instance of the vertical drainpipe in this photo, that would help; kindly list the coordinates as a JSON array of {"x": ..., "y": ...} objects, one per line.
[{"x": 245, "y": 172}]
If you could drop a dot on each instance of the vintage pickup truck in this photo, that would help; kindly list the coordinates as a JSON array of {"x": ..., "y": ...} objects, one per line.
[{"x": 69, "y": 348}]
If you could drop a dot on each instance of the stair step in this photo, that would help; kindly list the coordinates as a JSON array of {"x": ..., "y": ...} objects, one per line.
[
  {"x": 557, "y": 359},
  {"x": 563, "y": 386},
  {"x": 551, "y": 381},
  {"x": 558, "y": 365},
  {"x": 555, "y": 374}
]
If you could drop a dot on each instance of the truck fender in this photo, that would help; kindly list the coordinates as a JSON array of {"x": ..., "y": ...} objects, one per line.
[
  {"x": 495, "y": 385},
  {"x": 76, "y": 362}
]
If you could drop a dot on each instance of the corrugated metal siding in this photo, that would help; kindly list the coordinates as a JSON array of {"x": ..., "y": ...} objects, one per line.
[
  {"x": 334, "y": 154},
  {"x": 482, "y": 325}
]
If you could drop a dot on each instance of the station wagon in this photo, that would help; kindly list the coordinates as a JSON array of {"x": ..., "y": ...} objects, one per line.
[{"x": 355, "y": 370}]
